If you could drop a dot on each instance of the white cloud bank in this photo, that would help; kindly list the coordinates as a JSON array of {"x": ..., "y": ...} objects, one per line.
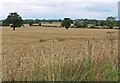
[{"x": 60, "y": 9}]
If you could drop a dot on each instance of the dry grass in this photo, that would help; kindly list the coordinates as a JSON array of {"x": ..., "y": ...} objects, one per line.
[{"x": 37, "y": 53}]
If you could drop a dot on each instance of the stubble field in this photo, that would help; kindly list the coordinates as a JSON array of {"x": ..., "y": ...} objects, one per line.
[{"x": 54, "y": 54}]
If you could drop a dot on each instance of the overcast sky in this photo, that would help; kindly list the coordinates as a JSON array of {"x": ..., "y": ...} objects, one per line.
[{"x": 55, "y": 9}]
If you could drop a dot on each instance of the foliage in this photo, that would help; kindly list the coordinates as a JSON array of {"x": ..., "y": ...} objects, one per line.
[
  {"x": 14, "y": 19},
  {"x": 30, "y": 23},
  {"x": 5, "y": 23},
  {"x": 110, "y": 73},
  {"x": 66, "y": 23},
  {"x": 79, "y": 24},
  {"x": 103, "y": 23},
  {"x": 111, "y": 22},
  {"x": 50, "y": 21}
]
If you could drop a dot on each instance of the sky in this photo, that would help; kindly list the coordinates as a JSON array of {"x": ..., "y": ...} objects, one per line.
[{"x": 59, "y": 9}]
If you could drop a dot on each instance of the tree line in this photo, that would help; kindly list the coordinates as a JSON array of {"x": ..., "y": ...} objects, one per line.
[{"x": 15, "y": 20}]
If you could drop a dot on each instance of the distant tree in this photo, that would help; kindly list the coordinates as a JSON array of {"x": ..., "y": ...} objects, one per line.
[
  {"x": 84, "y": 25},
  {"x": 39, "y": 24},
  {"x": 103, "y": 23},
  {"x": 50, "y": 21},
  {"x": 30, "y": 23},
  {"x": 36, "y": 21},
  {"x": 79, "y": 24},
  {"x": 66, "y": 23},
  {"x": 111, "y": 22},
  {"x": 44, "y": 21},
  {"x": 118, "y": 24},
  {"x": 14, "y": 19},
  {"x": 60, "y": 20}
]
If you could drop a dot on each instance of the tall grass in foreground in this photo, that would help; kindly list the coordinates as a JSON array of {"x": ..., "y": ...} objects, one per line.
[
  {"x": 85, "y": 69},
  {"x": 75, "y": 72}
]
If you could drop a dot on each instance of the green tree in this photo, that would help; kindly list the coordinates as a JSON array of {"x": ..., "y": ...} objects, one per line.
[
  {"x": 50, "y": 21},
  {"x": 5, "y": 23},
  {"x": 111, "y": 22},
  {"x": 44, "y": 21},
  {"x": 102, "y": 23},
  {"x": 79, "y": 24},
  {"x": 66, "y": 23},
  {"x": 30, "y": 23},
  {"x": 14, "y": 19},
  {"x": 60, "y": 20}
]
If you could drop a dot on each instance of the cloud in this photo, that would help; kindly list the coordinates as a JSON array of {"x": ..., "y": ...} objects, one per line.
[{"x": 59, "y": 9}]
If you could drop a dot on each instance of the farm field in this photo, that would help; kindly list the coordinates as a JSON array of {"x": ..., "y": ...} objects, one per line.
[{"x": 53, "y": 54}]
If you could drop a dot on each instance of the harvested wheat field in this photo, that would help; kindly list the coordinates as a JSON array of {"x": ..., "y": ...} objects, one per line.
[{"x": 54, "y": 54}]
